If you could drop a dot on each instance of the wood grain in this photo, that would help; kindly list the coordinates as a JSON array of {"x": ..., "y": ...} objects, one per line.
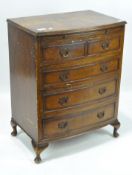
[
  {"x": 73, "y": 97},
  {"x": 80, "y": 73},
  {"x": 65, "y": 22},
  {"x": 23, "y": 80},
  {"x": 79, "y": 120}
]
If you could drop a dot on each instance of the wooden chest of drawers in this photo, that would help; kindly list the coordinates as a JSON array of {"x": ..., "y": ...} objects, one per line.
[{"x": 65, "y": 74}]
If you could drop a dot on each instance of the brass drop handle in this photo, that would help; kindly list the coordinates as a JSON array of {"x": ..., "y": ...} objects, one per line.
[
  {"x": 101, "y": 114},
  {"x": 62, "y": 125},
  {"x": 64, "y": 76},
  {"x": 64, "y": 52},
  {"x": 103, "y": 68},
  {"x": 63, "y": 100},
  {"x": 105, "y": 45},
  {"x": 102, "y": 90}
]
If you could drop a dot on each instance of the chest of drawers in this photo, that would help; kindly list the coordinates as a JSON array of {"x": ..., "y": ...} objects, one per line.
[{"x": 65, "y": 72}]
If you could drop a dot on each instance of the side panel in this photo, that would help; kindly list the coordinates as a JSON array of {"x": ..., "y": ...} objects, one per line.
[{"x": 23, "y": 80}]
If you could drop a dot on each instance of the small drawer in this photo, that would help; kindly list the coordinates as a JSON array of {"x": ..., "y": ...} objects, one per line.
[
  {"x": 79, "y": 96},
  {"x": 110, "y": 44},
  {"x": 79, "y": 74},
  {"x": 64, "y": 52},
  {"x": 78, "y": 121}
]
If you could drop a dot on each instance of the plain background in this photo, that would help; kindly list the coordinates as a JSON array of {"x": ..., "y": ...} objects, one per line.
[{"x": 93, "y": 153}]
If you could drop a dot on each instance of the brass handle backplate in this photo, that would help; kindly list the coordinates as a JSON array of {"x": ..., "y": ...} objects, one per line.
[
  {"x": 101, "y": 114},
  {"x": 105, "y": 45},
  {"x": 64, "y": 76},
  {"x": 63, "y": 100},
  {"x": 64, "y": 52},
  {"x": 104, "y": 68},
  {"x": 102, "y": 90},
  {"x": 62, "y": 125}
]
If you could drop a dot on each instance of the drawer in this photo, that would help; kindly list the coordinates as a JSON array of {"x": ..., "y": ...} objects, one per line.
[
  {"x": 61, "y": 49},
  {"x": 79, "y": 74},
  {"x": 96, "y": 47},
  {"x": 79, "y": 96},
  {"x": 79, "y": 121},
  {"x": 64, "y": 52}
]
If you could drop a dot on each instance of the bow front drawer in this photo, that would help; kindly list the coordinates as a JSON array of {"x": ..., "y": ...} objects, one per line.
[
  {"x": 78, "y": 74},
  {"x": 79, "y": 96},
  {"x": 84, "y": 121}
]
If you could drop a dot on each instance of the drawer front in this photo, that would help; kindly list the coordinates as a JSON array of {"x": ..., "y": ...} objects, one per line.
[
  {"x": 64, "y": 52},
  {"x": 61, "y": 49},
  {"x": 79, "y": 96},
  {"x": 79, "y": 73},
  {"x": 85, "y": 121},
  {"x": 106, "y": 45}
]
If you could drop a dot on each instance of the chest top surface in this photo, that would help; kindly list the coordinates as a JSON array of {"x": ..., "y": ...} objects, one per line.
[{"x": 68, "y": 22}]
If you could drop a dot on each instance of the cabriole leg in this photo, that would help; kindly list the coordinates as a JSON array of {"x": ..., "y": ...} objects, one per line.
[
  {"x": 14, "y": 127},
  {"x": 38, "y": 149},
  {"x": 116, "y": 125}
]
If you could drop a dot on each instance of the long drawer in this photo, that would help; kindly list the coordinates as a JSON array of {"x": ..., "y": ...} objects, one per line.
[
  {"x": 83, "y": 121},
  {"x": 78, "y": 74},
  {"x": 79, "y": 96}
]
